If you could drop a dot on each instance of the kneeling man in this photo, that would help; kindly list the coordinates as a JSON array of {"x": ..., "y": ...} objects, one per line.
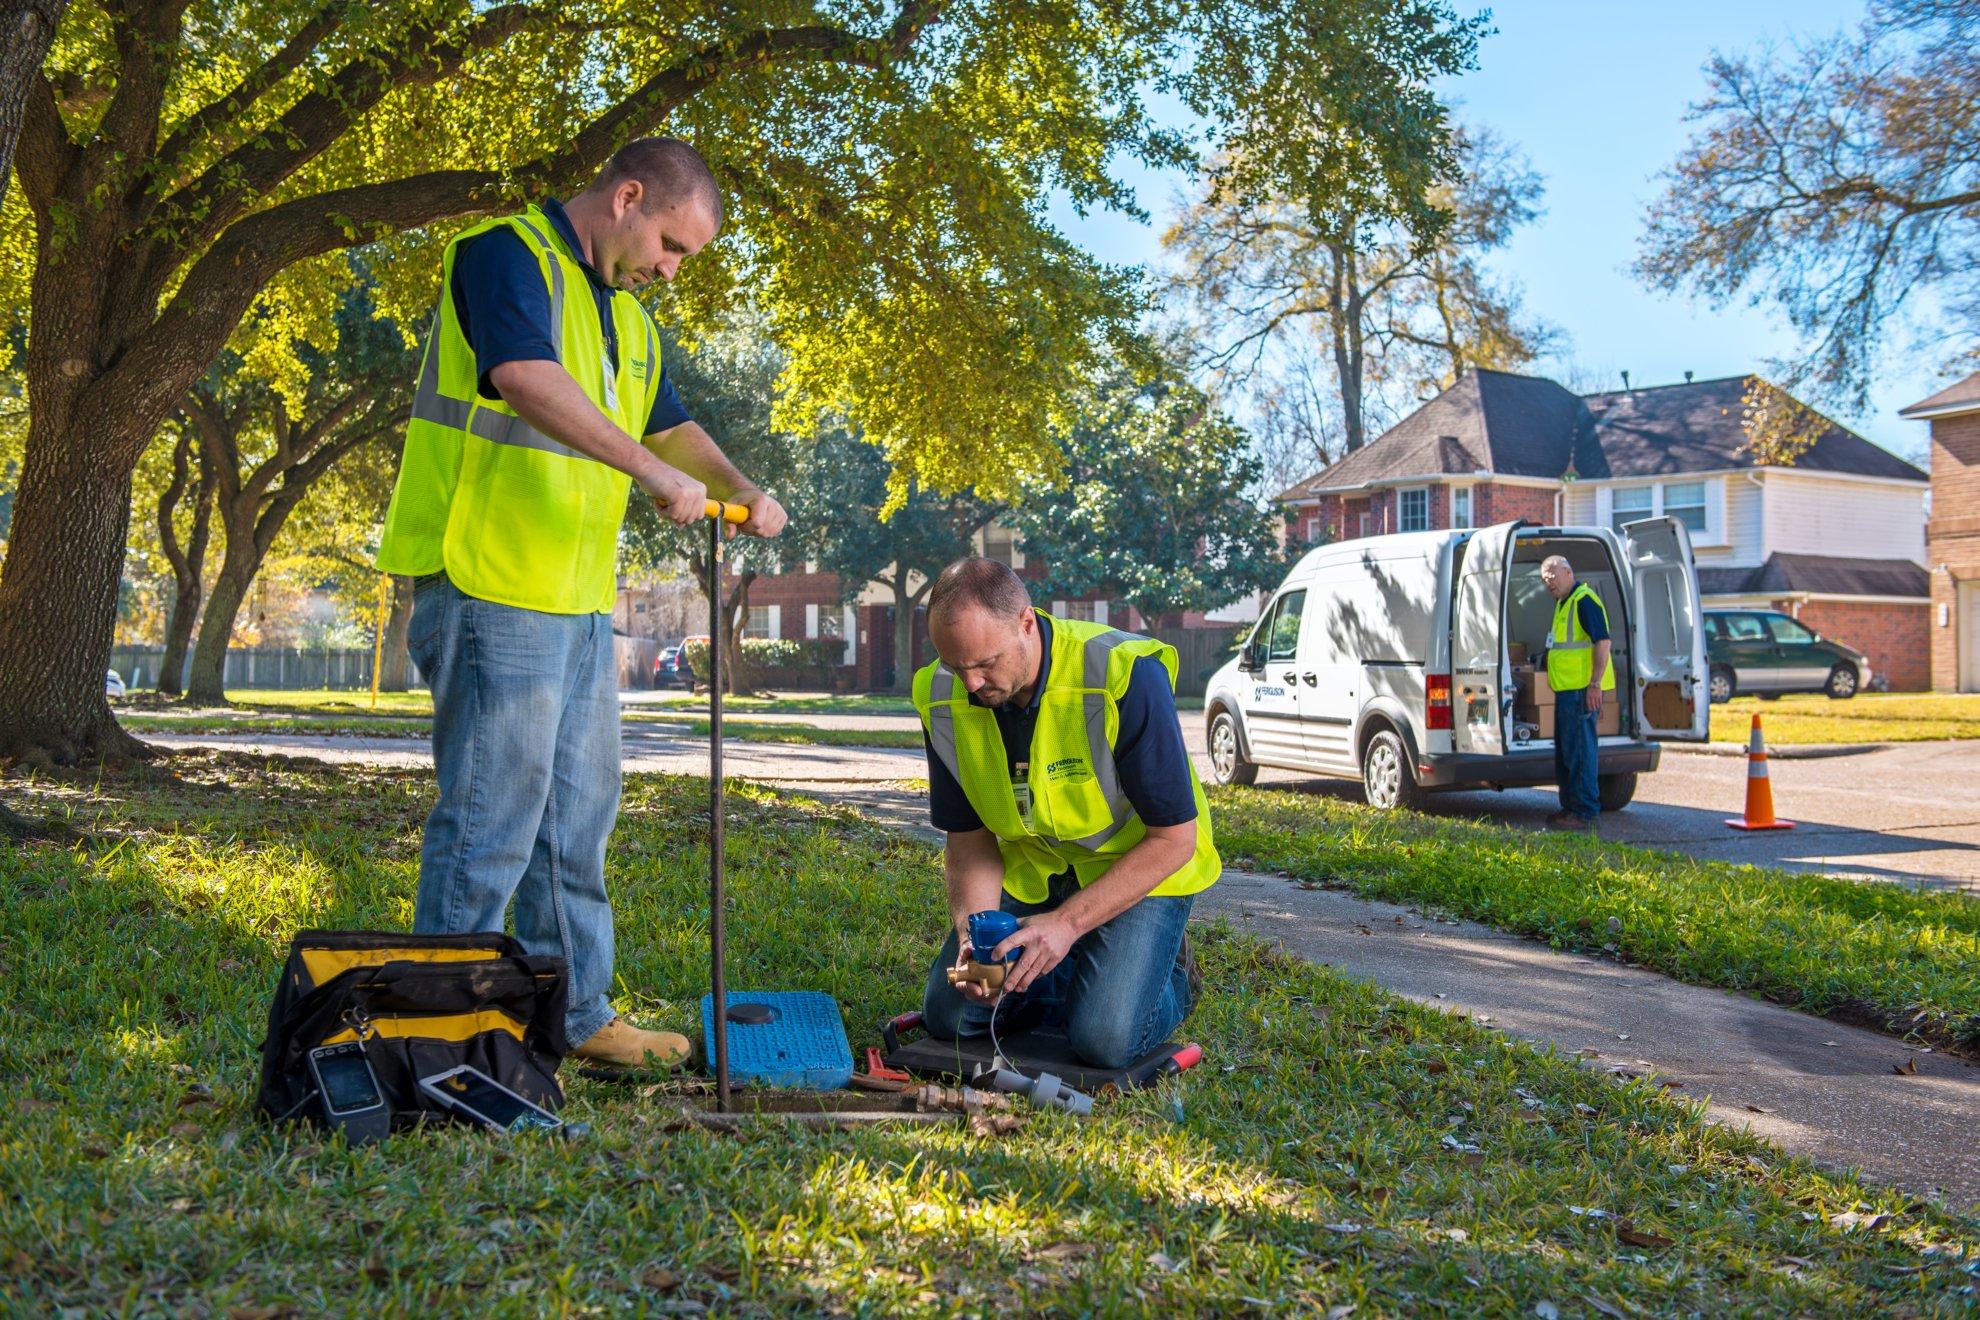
[{"x": 1056, "y": 767}]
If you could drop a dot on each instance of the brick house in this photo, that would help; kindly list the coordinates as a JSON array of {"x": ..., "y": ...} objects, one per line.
[
  {"x": 1837, "y": 540},
  {"x": 807, "y": 603},
  {"x": 1952, "y": 537}
]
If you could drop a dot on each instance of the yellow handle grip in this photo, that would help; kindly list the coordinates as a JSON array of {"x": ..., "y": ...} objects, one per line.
[{"x": 734, "y": 513}]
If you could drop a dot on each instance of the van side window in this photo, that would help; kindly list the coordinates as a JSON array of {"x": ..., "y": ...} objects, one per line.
[{"x": 1284, "y": 642}]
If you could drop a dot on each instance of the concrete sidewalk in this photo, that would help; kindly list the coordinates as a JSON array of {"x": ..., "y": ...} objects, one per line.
[{"x": 1814, "y": 1087}]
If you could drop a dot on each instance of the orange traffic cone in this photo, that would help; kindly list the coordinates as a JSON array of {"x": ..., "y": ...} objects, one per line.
[{"x": 1759, "y": 789}]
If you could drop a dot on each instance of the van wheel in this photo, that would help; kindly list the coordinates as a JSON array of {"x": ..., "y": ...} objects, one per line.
[
  {"x": 1227, "y": 763},
  {"x": 1386, "y": 778},
  {"x": 1723, "y": 685},
  {"x": 1842, "y": 683},
  {"x": 1616, "y": 790}
]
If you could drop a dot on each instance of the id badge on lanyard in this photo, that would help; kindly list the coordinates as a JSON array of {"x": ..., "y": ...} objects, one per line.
[
  {"x": 611, "y": 391},
  {"x": 1021, "y": 788}
]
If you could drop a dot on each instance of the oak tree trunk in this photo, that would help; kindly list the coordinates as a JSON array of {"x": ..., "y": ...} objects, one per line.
[
  {"x": 58, "y": 602},
  {"x": 188, "y": 561},
  {"x": 27, "y": 29},
  {"x": 208, "y": 686},
  {"x": 395, "y": 663}
]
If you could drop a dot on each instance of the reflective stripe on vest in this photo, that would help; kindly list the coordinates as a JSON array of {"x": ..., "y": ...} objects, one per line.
[
  {"x": 1570, "y": 665},
  {"x": 1090, "y": 664},
  {"x": 1096, "y": 650},
  {"x": 539, "y": 532}
]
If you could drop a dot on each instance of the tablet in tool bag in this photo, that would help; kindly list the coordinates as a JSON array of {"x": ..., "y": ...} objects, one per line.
[{"x": 414, "y": 1006}]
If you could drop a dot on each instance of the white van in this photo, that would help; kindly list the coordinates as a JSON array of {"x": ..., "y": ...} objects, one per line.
[{"x": 1399, "y": 660}]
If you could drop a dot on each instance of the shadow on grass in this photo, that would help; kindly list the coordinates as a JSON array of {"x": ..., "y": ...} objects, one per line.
[{"x": 1322, "y": 1155}]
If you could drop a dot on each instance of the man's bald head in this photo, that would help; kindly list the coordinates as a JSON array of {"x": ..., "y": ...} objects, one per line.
[
  {"x": 980, "y": 620},
  {"x": 1558, "y": 576}
]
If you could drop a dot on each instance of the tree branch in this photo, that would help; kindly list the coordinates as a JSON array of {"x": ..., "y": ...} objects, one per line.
[
  {"x": 316, "y": 121},
  {"x": 220, "y": 287},
  {"x": 147, "y": 36},
  {"x": 297, "y": 49},
  {"x": 46, "y": 153}
]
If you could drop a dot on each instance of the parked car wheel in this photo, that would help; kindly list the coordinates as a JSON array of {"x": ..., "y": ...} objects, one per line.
[
  {"x": 1386, "y": 778},
  {"x": 1724, "y": 685},
  {"x": 1616, "y": 790},
  {"x": 1227, "y": 763},
  {"x": 1842, "y": 683},
  {"x": 1768, "y": 696}
]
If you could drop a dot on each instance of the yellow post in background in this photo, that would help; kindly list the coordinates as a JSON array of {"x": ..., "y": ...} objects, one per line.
[{"x": 378, "y": 644}]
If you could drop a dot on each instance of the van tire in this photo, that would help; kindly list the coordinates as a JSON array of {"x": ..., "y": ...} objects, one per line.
[
  {"x": 1387, "y": 780},
  {"x": 1616, "y": 790},
  {"x": 1842, "y": 683},
  {"x": 1724, "y": 686},
  {"x": 1227, "y": 763}
]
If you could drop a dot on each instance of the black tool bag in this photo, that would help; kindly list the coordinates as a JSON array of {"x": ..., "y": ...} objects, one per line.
[{"x": 419, "y": 1005}]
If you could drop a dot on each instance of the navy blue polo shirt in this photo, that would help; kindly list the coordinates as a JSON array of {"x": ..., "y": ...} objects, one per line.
[
  {"x": 1149, "y": 753},
  {"x": 504, "y": 309},
  {"x": 1593, "y": 621}
]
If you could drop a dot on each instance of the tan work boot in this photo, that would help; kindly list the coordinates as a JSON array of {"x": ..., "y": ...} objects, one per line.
[{"x": 619, "y": 1044}]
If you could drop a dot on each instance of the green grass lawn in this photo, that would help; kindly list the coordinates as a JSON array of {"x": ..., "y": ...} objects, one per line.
[
  {"x": 1340, "y": 1147},
  {"x": 278, "y": 699},
  {"x": 1871, "y": 717},
  {"x": 794, "y": 703},
  {"x": 1881, "y": 954},
  {"x": 320, "y": 719}
]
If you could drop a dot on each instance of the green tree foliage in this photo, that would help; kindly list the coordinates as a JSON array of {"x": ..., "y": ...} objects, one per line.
[
  {"x": 267, "y": 448},
  {"x": 1839, "y": 181},
  {"x": 727, "y": 380},
  {"x": 890, "y": 165},
  {"x": 1157, "y": 510},
  {"x": 857, "y": 528},
  {"x": 1397, "y": 311}
]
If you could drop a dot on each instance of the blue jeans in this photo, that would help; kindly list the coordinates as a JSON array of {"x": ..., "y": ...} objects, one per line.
[
  {"x": 526, "y": 746},
  {"x": 1118, "y": 993},
  {"x": 1575, "y": 753}
]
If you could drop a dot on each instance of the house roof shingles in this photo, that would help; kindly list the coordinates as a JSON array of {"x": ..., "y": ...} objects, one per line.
[
  {"x": 1527, "y": 426},
  {"x": 1962, "y": 396},
  {"x": 1784, "y": 574}
]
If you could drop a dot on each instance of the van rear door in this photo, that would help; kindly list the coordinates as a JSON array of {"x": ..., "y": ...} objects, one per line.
[
  {"x": 1666, "y": 639},
  {"x": 1480, "y": 696}
]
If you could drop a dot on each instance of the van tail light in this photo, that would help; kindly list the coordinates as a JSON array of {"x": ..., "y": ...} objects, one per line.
[{"x": 1437, "y": 710}]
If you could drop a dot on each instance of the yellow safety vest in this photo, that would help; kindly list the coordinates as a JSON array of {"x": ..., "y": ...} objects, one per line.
[
  {"x": 512, "y": 515},
  {"x": 1570, "y": 655},
  {"x": 1079, "y": 819}
]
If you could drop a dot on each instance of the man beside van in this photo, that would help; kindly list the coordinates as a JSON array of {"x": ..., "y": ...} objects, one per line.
[
  {"x": 1056, "y": 767},
  {"x": 1579, "y": 671}
]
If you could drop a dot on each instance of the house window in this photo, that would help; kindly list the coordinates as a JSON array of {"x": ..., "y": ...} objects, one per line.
[
  {"x": 1628, "y": 504},
  {"x": 1080, "y": 609},
  {"x": 759, "y": 622},
  {"x": 1000, "y": 544},
  {"x": 1685, "y": 501},
  {"x": 1461, "y": 507},
  {"x": 1414, "y": 509}
]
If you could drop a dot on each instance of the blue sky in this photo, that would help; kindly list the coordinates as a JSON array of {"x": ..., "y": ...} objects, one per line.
[{"x": 1595, "y": 94}]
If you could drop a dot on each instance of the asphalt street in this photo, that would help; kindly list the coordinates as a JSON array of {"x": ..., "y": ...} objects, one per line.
[{"x": 1907, "y": 814}]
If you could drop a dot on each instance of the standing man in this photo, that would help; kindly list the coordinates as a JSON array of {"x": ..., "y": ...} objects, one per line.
[
  {"x": 539, "y": 373},
  {"x": 1056, "y": 767},
  {"x": 1579, "y": 671}
]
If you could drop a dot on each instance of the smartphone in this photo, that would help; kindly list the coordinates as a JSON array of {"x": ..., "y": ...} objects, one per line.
[
  {"x": 350, "y": 1093},
  {"x": 476, "y": 1096},
  {"x": 344, "y": 1079}
]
